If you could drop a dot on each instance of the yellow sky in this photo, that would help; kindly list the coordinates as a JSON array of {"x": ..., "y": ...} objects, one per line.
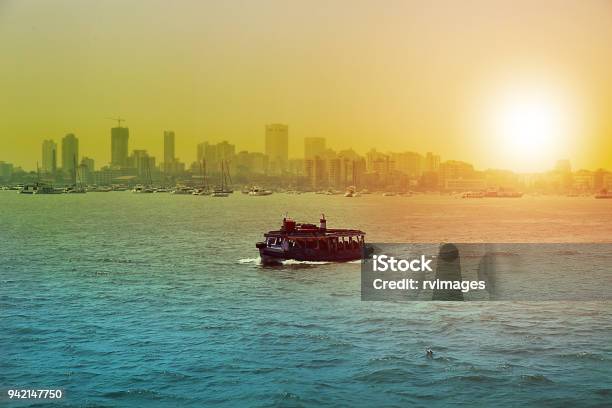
[{"x": 395, "y": 75}]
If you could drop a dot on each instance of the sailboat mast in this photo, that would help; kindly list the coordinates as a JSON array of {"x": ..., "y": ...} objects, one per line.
[
  {"x": 74, "y": 170},
  {"x": 205, "y": 176},
  {"x": 222, "y": 176}
]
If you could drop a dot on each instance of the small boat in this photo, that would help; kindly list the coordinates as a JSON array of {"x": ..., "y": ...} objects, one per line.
[
  {"x": 501, "y": 193},
  {"x": 473, "y": 194},
  {"x": 220, "y": 193},
  {"x": 77, "y": 178},
  {"x": 43, "y": 189},
  {"x": 99, "y": 189},
  {"x": 603, "y": 194},
  {"x": 309, "y": 242},
  {"x": 389, "y": 194},
  {"x": 143, "y": 189},
  {"x": 350, "y": 191},
  {"x": 28, "y": 189},
  {"x": 182, "y": 190},
  {"x": 74, "y": 190},
  {"x": 201, "y": 192},
  {"x": 256, "y": 191}
]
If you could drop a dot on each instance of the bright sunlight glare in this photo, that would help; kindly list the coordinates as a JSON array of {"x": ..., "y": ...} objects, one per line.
[{"x": 530, "y": 128}]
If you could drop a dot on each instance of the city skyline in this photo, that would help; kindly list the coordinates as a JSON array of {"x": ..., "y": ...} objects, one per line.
[
  {"x": 514, "y": 85},
  {"x": 121, "y": 148},
  {"x": 313, "y": 147}
]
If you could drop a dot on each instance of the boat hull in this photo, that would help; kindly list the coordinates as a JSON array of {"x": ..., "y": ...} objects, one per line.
[{"x": 275, "y": 256}]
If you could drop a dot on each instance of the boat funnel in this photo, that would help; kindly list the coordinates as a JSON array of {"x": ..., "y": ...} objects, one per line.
[
  {"x": 323, "y": 222},
  {"x": 288, "y": 225}
]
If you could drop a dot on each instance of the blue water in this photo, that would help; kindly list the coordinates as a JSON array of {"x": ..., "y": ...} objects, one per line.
[{"x": 127, "y": 300}]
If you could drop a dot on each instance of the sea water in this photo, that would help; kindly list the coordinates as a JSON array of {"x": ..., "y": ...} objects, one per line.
[{"x": 133, "y": 300}]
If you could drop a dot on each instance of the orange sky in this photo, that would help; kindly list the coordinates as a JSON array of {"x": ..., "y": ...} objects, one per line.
[{"x": 400, "y": 75}]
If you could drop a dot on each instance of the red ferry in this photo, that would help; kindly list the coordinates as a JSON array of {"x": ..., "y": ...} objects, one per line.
[{"x": 308, "y": 242}]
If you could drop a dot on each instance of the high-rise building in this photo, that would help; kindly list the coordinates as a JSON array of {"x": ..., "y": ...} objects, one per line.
[
  {"x": 207, "y": 152},
  {"x": 409, "y": 163},
  {"x": 119, "y": 146},
  {"x": 316, "y": 172},
  {"x": 314, "y": 147},
  {"x": 70, "y": 153},
  {"x": 200, "y": 152},
  {"x": 251, "y": 163},
  {"x": 169, "y": 167},
  {"x": 143, "y": 163},
  {"x": 225, "y": 151},
  {"x": 277, "y": 147},
  {"x": 432, "y": 162},
  {"x": 168, "y": 146},
  {"x": 88, "y": 163},
  {"x": 6, "y": 170},
  {"x": 87, "y": 170},
  {"x": 49, "y": 156}
]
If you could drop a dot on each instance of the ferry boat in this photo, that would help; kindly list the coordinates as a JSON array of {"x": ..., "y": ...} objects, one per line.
[{"x": 308, "y": 242}]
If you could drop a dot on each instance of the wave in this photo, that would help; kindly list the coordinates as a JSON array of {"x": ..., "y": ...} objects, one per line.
[
  {"x": 535, "y": 378},
  {"x": 294, "y": 262},
  {"x": 257, "y": 261}
]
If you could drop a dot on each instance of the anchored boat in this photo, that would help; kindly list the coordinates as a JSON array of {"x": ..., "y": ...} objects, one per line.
[
  {"x": 604, "y": 194},
  {"x": 309, "y": 242}
]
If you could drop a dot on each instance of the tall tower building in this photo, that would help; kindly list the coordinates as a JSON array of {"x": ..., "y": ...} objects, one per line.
[
  {"x": 169, "y": 166},
  {"x": 119, "y": 146},
  {"x": 314, "y": 147},
  {"x": 49, "y": 156},
  {"x": 168, "y": 147},
  {"x": 70, "y": 153},
  {"x": 277, "y": 147}
]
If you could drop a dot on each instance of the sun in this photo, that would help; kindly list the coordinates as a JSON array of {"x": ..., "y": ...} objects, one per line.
[
  {"x": 530, "y": 125},
  {"x": 529, "y": 129}
]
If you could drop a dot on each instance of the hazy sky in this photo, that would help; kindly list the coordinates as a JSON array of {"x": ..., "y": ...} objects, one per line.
[{"x": 401, "y": 75}]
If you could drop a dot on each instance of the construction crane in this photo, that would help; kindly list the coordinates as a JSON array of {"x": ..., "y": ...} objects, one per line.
[{"x": 119, "y": 120}]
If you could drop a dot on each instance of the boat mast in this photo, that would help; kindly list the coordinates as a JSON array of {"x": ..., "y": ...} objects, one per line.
[
  {"x": 74, "y": 170},
  {"x": 228, "y": 174},
  {"x": 205, "y": 176}
]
